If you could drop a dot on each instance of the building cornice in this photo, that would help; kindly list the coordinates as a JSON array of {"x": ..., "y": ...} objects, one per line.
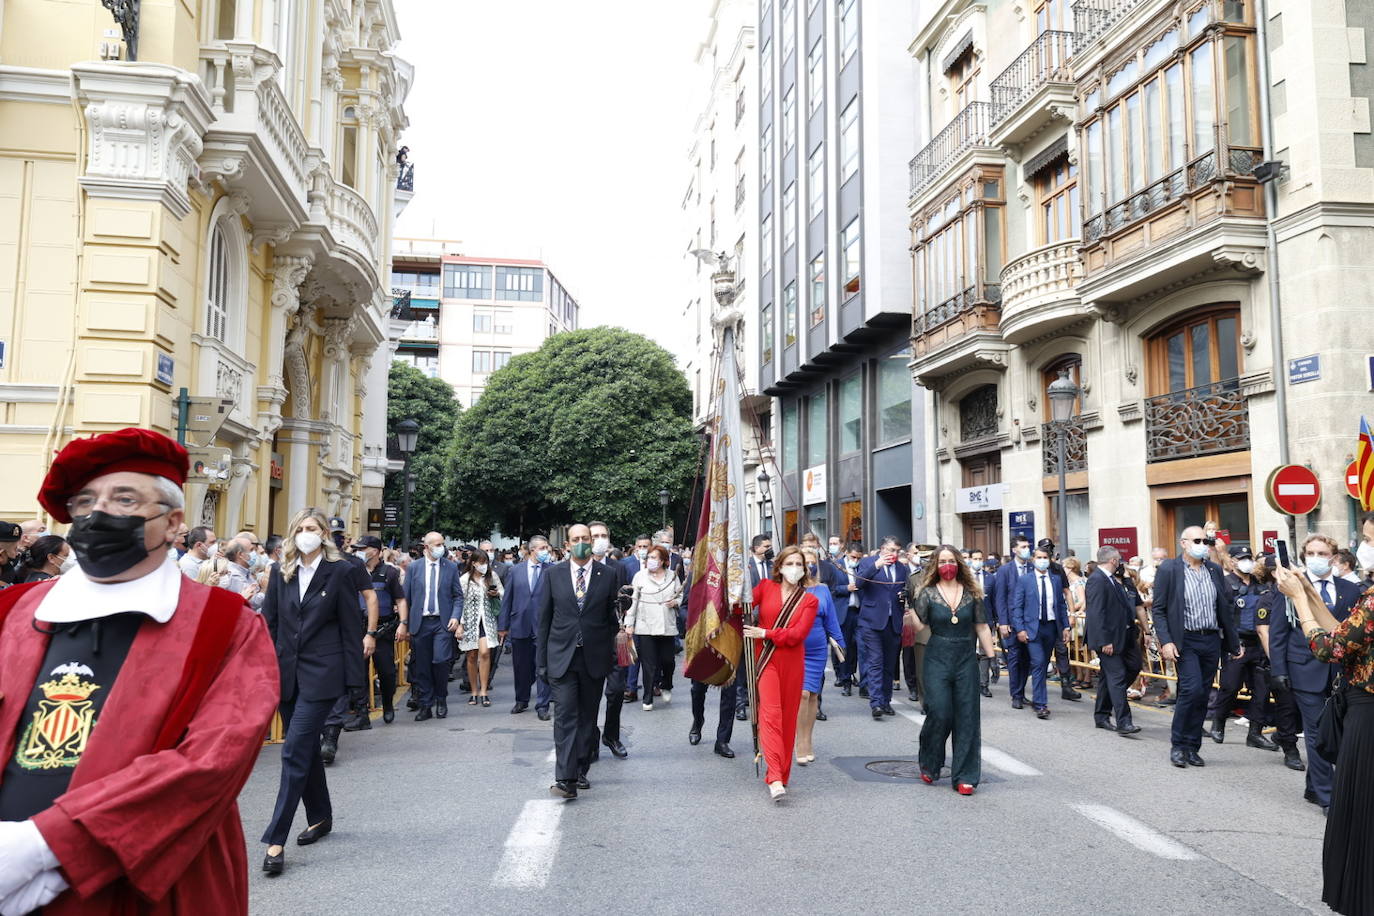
[
  {"x": 1323, "y": 213},
  {"x": 31, "y": 84}
]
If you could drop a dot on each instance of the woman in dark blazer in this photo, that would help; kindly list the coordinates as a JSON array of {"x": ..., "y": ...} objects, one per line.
[{"x": 311, "y": 609}]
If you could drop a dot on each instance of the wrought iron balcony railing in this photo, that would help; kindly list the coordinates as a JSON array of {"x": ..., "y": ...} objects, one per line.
[
  {"x": 959, "y": 304},
  {"x": 1075, "y": 447},
  {"x": 405, "y": 179},
  {"x": 1093, "y": 17},
  {"x": 1046, "y": 60},
  {"x": 400, "y": 304},
  {"x": 1207, "y": 420},
  {"x": 968, "y": 129}
]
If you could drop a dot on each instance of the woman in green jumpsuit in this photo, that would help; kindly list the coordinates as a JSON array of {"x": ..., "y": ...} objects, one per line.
[{"x": 949, "y": 602}]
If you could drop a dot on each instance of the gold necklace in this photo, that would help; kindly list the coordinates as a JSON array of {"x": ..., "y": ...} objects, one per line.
[{"x": 954, "y": 608}]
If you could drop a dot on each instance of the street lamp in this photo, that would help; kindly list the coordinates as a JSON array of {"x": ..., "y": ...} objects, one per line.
[
  {"x": 1062, "y": 393},
  {"x": 407, "y": 433},
  {"x": 663, "y": 497},
  {"x": 765, "y": 504}
]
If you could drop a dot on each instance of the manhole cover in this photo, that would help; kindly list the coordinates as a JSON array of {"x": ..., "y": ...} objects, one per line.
[{"x": 905, "y": 769}]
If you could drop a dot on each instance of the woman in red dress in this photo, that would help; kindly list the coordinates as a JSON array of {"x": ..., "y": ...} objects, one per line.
[{"x": 780, "y": 680}]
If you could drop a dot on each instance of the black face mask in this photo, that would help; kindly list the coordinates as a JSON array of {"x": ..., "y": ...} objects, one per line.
[
  {"x": 768, "y": 554},
  {"x": 107, "y": 545}
]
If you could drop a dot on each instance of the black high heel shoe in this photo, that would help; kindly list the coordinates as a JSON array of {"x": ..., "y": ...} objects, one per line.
[
  {"x": 486, "y": 701},
  {"x": 472, "y": 700},
  {"x": 273, "y": 865}
]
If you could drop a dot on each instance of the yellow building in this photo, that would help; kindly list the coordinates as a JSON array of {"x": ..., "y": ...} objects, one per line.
[{"x": 214, "y": 215}]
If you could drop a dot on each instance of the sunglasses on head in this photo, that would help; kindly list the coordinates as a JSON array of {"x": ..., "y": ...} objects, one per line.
[{"x": 1210, "y": 542}]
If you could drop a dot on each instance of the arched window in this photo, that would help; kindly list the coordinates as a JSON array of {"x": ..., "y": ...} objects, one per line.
[
  {"x": 1074, "y": 364},
  {"x": 218, "y": 290},
  {"x": 1199, "y": 350}
]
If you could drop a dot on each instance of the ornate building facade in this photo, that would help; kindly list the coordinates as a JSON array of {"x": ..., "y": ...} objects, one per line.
[{"x": 215, "y": 216}]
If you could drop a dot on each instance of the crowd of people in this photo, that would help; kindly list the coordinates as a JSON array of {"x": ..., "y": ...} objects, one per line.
[{"x": 589, "y": 627}]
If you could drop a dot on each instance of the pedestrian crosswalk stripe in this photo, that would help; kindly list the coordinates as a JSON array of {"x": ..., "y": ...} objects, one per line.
[
  {"x": 1008, "y": 764},
  {"x": 1144, "y": 838},
  {"x": 531, "y": 846}
]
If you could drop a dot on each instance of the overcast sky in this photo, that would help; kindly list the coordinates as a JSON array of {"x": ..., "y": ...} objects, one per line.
[{"x": 559, "y": 129}]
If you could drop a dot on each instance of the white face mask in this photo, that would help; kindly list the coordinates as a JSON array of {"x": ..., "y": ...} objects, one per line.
[
  {"x": 437, "y": 552},
  {"x": 653, "y": 564},
  {"x": 68, "y": 562},
  {"x": 480, "y": 569},
  {"x": 1245, "y": 566},
  {"x": 1318, "y": 566},
  {"x": 308, "y": 542},
  {"x": 360, "y": 554},
  {"x": 793, "y": 574},
  {"x": 642, "y": 554},
  {"x": 601, "y": 546},
  {"x": 1365, "y": 555}
]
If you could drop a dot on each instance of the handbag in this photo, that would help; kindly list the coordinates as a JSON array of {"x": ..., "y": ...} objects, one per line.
[
  {"x": 625, "y": 653},
  {"x": 909, "y": 628},
  {"x": 1331, "y": 725}
]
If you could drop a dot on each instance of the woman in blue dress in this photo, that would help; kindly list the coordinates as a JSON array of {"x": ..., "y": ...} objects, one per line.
[{"x": 825, "y": 629}]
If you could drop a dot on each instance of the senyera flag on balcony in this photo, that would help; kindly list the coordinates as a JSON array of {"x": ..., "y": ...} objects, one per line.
[
  {"x": 714, "y": 605},
  {"x": 1364, "y": 465}
]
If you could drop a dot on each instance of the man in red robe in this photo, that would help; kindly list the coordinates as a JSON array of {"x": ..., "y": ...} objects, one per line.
[{"x": 133, "y": 702}]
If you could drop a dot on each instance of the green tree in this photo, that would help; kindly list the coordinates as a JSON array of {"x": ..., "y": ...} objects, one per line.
[
  {"x": 412, "y": 395},
  {"x": 591, "y": 425}
]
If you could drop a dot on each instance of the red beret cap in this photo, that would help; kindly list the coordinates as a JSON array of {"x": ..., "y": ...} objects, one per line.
[{"x": 83, "y": 460}]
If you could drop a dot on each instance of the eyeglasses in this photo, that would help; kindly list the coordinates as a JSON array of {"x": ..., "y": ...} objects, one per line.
[
  {"x": 127, "y": 504},
  {"x": 1210, "y": 542}
]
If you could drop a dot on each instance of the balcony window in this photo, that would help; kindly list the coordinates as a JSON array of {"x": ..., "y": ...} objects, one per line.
[
  {"x": 851, "y": 414},
  {"x": 1192, "y": 372},
  {"x": 849, "y": 140},
  {"x": 815, "y": 182},
  {"x": 348, "y": 157},
  {"x": 816, "y": 429},
  {"x": 789, "y": 437},
  {"x": 766, "y": 332},
  {"x": 894, "y": 397},
  {"x": 815, "y": 76},
  {"x": 1163, "y": 112},
  {"x": 789, "y": 217},
  {"x": 789, "y": 314},
  {"x": 958, "y": 245},
  {"x": 503, "y": 321},
  {"x": 766, "y": 156},
  {"x": 463, "y": 281},
  {"x": 963, "y": 79},
  {"x": 849, "y": 30},
  {"x": 1056, "y": 189},
  {"x": 499, "y": 358},
  {"x": 817, "y": 289},
  {"x": 481, "y": 362},
  {"x": 850, "y": 247},
  {"x": 481, "y": 322},
  {"x": 1053, "y": 16}
]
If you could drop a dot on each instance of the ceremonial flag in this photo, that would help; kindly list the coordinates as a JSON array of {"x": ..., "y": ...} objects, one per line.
[
  {"x": 715, "y": 603},
  {"x": 1364, "y": 465}
]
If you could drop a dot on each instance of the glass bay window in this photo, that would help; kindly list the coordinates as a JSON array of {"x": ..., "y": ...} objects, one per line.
[{"x": 958, "y": 247}]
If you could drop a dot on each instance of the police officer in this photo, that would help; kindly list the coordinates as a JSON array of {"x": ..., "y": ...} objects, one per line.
[
  {"x": 391, "y": 610},
  {"x": 1252, "y": 668},
  {"x": 350, "y": 704},
  {"x": 1287, "y": 721}
]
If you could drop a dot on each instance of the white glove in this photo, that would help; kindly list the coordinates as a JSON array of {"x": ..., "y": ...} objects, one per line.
[
  {"x": 23, "y": 854},
  {"x": 40, "y": 891}
]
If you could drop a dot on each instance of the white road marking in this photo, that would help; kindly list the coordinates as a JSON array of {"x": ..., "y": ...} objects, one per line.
[
  {"x": 553, "y": 756},
  {"x": 1000, "y": 760},
  {"x": 531, "y": 846},
  {"x": 1144, "y": 838}
]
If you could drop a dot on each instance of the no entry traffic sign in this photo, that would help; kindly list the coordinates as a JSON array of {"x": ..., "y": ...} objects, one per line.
[
  {"x": 1352, "y": 479},
  {"x": 1293, "y": 490}
]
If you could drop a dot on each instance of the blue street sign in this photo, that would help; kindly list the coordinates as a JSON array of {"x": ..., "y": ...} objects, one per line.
[
  {"x": 165, "y": 365},
  {"x": 1022, "y": 525},
  {"x": 1304, "y": 369},
  {"x": 1369, "y": 371}
]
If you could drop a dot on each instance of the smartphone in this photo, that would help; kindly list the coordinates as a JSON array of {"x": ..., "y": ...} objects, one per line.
[{"x": 1282, "y": 548}]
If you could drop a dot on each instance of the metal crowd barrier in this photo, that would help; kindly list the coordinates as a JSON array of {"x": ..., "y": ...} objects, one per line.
[{"x": 275, "y": 734}]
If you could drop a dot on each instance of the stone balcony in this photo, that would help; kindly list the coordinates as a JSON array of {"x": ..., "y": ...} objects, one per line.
[{"x": 1039, "y": 291}]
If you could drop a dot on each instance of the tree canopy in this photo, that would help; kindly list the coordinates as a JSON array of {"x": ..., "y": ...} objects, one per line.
[
  {"x": 412, "y": 395},
  {"x": 590, "y": 426}
]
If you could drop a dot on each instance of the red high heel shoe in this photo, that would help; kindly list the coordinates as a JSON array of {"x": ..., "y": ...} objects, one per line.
[
  {"x": 927, "y": 778},
  {"x": 964, "y": 788}
]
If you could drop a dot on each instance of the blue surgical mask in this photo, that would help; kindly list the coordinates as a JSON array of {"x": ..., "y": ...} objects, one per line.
[
  {"x": 1023, "y": 553},
  {"x": 1199, "y": 551},
  {"x": 1319, "y": 566},
  {"x": 975, "y": 565},
  {"x": 834, "y": 550},
  {"x": 1042, "y": 564},
  {"x": 544, "y": 556}
]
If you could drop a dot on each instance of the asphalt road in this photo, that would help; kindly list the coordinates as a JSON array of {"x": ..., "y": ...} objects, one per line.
[{"x": 454, "y": 815}]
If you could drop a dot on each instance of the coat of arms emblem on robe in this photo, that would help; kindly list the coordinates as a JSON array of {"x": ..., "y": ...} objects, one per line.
[{"x": 62, "y": 723}]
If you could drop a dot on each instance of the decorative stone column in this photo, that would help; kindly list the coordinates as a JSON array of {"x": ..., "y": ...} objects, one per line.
[{"x": 288, "y": 273}]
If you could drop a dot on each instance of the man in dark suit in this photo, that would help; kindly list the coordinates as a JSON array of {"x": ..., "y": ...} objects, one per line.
[
  {"x": 1298, "y": 670},
  {"x": 1113, "y": 627},
  {"x": 620, "y": 677},
  {"x": 519, "y": 621},
  {"x": 760, "y": 560},
  {"x": 1040, "y": 617},
  {"x": 578, "y": 622},
  {"x": 432, "y": 595},
  {"x": 498, "y": 565},
  {"x": 881, "y": 580},
  {"x": 989, "y": 669},
  {"x": 1004, "y": 588},
  {"x": 1193, "y": 620}
]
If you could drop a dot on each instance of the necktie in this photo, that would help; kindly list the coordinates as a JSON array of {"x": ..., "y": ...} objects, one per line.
[
  {"x": 1326, "y": 593},
  {"x": 581, "y": 588},
  {"x": 892, "y": 574},
  {"x": 534, "y": 575},
  {"x": 1044, "y": 599},
  {"x": 431, "y": 587}
]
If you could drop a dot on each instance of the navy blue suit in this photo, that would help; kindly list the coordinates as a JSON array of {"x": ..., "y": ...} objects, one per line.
[
  {"x": 848, "y": 616},
  {"x": 1017, "y": 653},
  {"x": 880, "y": 625},
  {"x": 1199, "y": 651},
  {"x": 520, "y": 619},
  {"x": 319, "y": 642},
  {"x": 1291, "y": 656},
  {"x": 431, "y": 644},
  {"x": 1036, "y": 595}
]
